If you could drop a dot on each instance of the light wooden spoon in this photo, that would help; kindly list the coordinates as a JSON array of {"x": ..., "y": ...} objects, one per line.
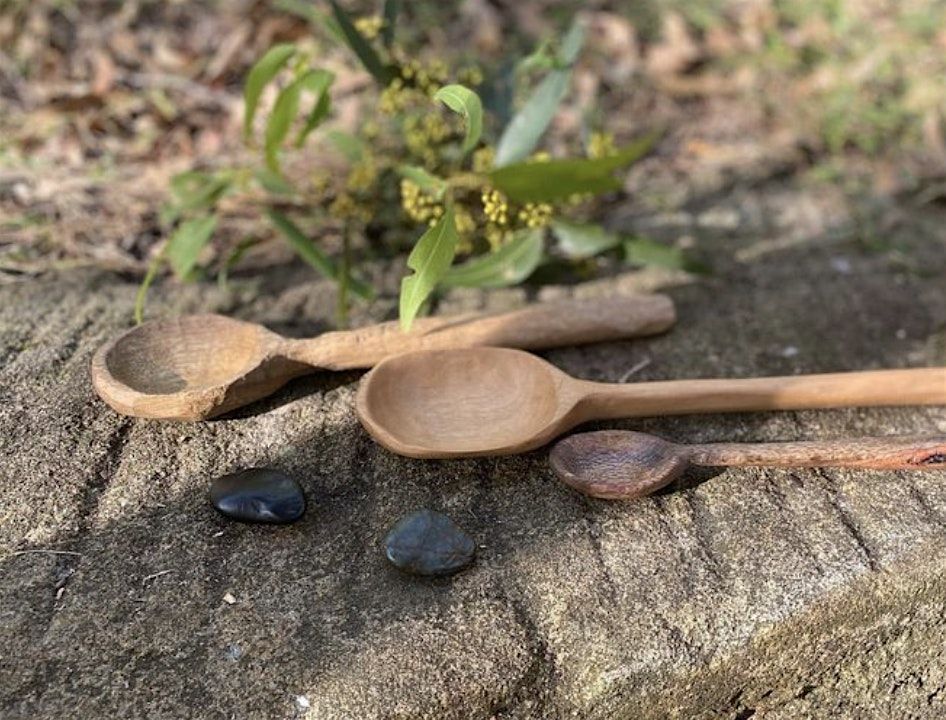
[
  {"x": 623, "y": 465},
  {"x": 494, "y": 401},
  {"x": 199, "y": 366}
]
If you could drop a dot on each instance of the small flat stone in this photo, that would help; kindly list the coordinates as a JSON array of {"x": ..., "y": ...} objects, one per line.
[
  {"x": 428, "y": 543},
  {"x": 259, "y": 495}
]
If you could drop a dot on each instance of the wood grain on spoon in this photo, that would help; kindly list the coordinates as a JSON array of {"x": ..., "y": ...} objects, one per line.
[
  {"x": 493, "y": 401},
  {"x": 622, "y": 465},
  {"x": 200, "y": 366}
]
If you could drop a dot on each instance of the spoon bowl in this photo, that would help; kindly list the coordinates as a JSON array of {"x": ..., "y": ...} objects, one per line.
[
  {"x": 189, "y": 367},
  {"x": 197, "y": 352},
  {"x": 617, "y": 464},
  {"x": 446, "y": 403}
]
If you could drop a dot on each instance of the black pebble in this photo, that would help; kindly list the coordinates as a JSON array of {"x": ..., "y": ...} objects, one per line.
[
  {"x": 258, "y": 495},
  {"x": 428, "y": 543}
]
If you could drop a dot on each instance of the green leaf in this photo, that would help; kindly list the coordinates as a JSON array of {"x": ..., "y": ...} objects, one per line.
[
  {"x": 465, "y": 102},
  {"x": 308, "y": 251},
  {"x": 542, "y": 58},
  {"x": 195, "y": 190},
  {"x": 318, "y": 83},
  {"x": 427, "y": 182},
  {"x": 360, "y": 46},
  {"x": 559, "y": 179},
  {"x": 552, "y": 180},
  {"x": 572, "y": 43},
  {"x": 315, "y": 17},
  {"x": 430, "y": 259},
  {"x": 280, "y": 120},
  {"x": 347, "y": 144},
  {"x": 272, "y": 182},
  {"x": 261, "y": 73},
  {"x": 526, "y": 128},
  {"x": 578, "y": 241},
  {"x": 643, "y": 251},
  {"x": 391, "y": 10},
  {"x": 232, "y": 259},
  {"x": 286, "y": 108},
  {"x": 510, "y": 265},
  {"x": 186, "y": 243}
]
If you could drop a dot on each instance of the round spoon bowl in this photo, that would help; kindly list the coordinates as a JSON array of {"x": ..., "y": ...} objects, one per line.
[
  {"x": 181, "y": 368},
  {"x": 617, "y": 464},
  {"x": 447, "y": 403},
  {"x": 196, "y": 352}
]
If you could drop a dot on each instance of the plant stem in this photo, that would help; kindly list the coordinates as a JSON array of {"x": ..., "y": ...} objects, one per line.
[
  {"x": 468, "y": 181},
  {"x": 341, "y": 308},
  {"x": 142, "y": 295}
]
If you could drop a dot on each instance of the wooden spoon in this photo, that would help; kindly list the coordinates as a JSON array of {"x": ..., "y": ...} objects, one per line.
[
  {"x": 199, "y": 366},
  {"x": 494, "y": 401},
  {"x": 623, "y": 465}
]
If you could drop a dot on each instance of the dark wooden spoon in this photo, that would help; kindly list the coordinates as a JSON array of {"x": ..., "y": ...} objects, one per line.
[{"x": 622, "y": 465}]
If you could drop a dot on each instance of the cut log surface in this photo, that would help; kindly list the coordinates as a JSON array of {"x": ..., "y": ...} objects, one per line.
[{"x": 782, "y": 593}]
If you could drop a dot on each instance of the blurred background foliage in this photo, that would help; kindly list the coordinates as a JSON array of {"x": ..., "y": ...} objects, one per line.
[{"x": 103, "y": 103}]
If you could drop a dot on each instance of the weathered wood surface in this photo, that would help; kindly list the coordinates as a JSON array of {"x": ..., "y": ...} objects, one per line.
[{"x": 784, "y": 593}]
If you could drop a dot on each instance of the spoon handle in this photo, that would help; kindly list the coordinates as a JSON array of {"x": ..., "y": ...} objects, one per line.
[
  {"x": 916, "y": 386},
  {"x": 879, "y": 453},
  {"x": 536, "y": 327}
]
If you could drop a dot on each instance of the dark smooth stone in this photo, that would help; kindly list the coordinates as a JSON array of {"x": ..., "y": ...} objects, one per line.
[
  {"x": 258, "y": 495},
  {"x": 428, "y": 543}
]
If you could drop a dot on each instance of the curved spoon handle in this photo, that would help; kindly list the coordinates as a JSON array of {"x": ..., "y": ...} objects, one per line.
[
  {"x": 878, "y": 453},
  {"x": 536, "y": 327},
  {"x": 915, "y": 386}
]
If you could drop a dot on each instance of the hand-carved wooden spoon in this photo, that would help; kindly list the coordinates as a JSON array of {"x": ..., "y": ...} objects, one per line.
[
  {"x": 199, "y": 366},
  {"x": 623, "y": 465},
  {"x": 494, "y": 401}
]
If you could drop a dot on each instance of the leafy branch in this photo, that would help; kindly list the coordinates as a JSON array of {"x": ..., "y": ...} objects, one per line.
[{"x": 493, "y": 206}]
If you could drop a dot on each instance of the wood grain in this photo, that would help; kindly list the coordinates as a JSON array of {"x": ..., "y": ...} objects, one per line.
[
  {"x": 871, "y": 388},
  {"x": 877, "y": 453},
  {"x": 535, "y": 327}
]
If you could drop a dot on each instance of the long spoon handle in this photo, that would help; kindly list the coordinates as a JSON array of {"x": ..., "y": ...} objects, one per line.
[
  {"x": 536, "y": 327},
  {"x": 918, "y": 386},
  {"x": 879, "y": 453}
]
